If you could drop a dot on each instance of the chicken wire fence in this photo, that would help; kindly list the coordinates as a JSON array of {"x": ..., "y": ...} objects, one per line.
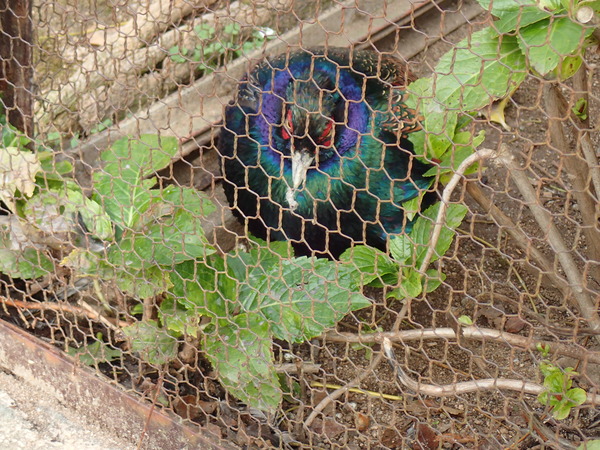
[{"x": 187, "y": 236}]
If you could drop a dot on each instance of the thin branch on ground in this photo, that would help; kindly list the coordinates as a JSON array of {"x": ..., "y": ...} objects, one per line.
[
  {"x": 555, "y": 241},
  {"x": 64, "y": 307},
  {"x": 453, "y": 389},
  {"x": 356, "y": 381},
  {"x": 470, "y": 332},
  {"x": 342, "y": 390}
]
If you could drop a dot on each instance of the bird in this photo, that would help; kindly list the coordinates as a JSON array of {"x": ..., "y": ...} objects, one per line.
[{"x": 314, "y": 150}]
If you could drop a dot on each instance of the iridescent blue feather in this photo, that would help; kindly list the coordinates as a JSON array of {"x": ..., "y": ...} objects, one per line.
[{"x": 343, "y": 111}]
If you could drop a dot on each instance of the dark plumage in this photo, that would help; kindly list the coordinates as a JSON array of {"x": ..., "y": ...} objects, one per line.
[{"x": 315, "y": 152}]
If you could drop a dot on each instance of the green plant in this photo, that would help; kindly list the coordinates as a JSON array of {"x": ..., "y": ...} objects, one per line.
[
  {"x": 215, "y": 49},
  {"x": 560, "y": 396}
]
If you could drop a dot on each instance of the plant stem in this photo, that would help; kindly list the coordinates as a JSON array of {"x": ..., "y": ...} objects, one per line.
[
  {"x": 504, "y": 222},
  {"x": 555, "y": 240},
  {"x": 578, "y": 174},
  {"x": 480, "y": 155}
]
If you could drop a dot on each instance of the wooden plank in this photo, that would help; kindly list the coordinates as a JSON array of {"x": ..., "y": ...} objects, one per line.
[
  {"x": 194, "y": 110},
  {"x": 82, "y": 390}
]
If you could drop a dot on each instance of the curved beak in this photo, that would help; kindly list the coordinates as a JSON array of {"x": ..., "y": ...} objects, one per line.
[{"x": 301, "y": 161}]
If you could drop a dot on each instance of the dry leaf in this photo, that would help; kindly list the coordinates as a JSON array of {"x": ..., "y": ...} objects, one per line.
[{"x": 17, "y": 172}]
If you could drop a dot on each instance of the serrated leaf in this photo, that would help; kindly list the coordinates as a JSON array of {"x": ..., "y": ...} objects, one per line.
[
  {"x": 121, "y": 187},
  {"x": 433, "y": 280},
  {"x": 203, "y": 287},
  {"x": 144, "y": 283},
  {"x": 411, "y": 285},
  {"x": 154, "y": 344},
  {"x": 372, "y": 264},
  {"x": 518, "y": 19},
  {"x": 401, "y": 248},
  {"x": 60, "y": 211},
  {"x": 26, "y": 264},
  {"x": 479, "y": 70},
  {"x": 240, "y": 351},
  {"x": 548, "y": 41},
  {"x": 169, "y": 241},
  {"x": 303, "y": 297},
  {"x": 465, "y": 145}
]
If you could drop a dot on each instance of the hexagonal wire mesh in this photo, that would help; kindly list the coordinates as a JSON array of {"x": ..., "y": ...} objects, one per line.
[{"x": 473, "y": 324}]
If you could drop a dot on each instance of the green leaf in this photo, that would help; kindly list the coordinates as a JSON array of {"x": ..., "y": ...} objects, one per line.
[
  {"x": 411, "y": 285},
  {"x": 593, "y": 444},
  {"x": 170, "y": 241},
  {"x": 204, "y": 287},
  {"x": 576, "y": 396},
  {"x": 177, "y": 319},
  {"x": 121, "y": 187},
  {"x": 240, "y": 351},
  {"x": 204, "y": 31},
  {"x": 423, "y": 227},
  {"x": 303, "y": 297},
  {"x": 372, "y": 264},
  {"x": 154, "y": 344},
  {"x": 465, "y": 320},
  {"x": 480, "y": 69},
  {"x": 95, "y": 353},
  {"x": 433, "y": 280},
  {"x": 546, "y": 42},
  {"x": 60, "y": 211},
  {"x": 518, "y": 19},
  {"x": 402, "y": 248},
  {"x": 144, "y": 283},
  {"x": 465, "y": 145},
  {"x": 24, "y": 263}
]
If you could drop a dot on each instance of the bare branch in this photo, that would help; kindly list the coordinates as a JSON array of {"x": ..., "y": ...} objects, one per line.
[
  {"x": 488, "y": 384},
  {"x": 471, "y": 332},
  {"x": 448, "y": 190}
]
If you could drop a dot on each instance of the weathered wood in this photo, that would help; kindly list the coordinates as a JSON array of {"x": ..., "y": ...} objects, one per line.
[
  {"x": 16, "y": 46},
  {"x": 196, "y": 108},
  {"x": 82, "y": 390}
]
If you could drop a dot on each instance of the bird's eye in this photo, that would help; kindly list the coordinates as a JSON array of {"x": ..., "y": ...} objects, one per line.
[
  {"x": 287, "y": 129},
  {"x": 327, "y": 135}
]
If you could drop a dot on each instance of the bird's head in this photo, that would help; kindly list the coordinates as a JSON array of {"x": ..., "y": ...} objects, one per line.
[{"x": 308, "y": 123}]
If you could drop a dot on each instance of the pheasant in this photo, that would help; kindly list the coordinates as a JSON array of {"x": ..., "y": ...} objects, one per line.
[{"x": 315, "y": 151}]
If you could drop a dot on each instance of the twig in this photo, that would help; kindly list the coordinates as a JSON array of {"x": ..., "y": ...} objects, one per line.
[
  {"x": 62, "y": 307},
  {"x": 578, "y": 173},
  {"x": 358, "y": 391},
  {"x": 343, "y": 389},
  {"x": 582, "y": 88},
  {"x": 452, "y": 389},
  {"x": 470, "y": 332},
  {"x": 555, "y": 240},
  {"x": 440, "y": 219},
  {"x": 539, "y": 259}
]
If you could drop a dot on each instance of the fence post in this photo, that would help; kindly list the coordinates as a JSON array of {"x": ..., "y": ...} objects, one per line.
[{"x": 16, "y": 68}]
